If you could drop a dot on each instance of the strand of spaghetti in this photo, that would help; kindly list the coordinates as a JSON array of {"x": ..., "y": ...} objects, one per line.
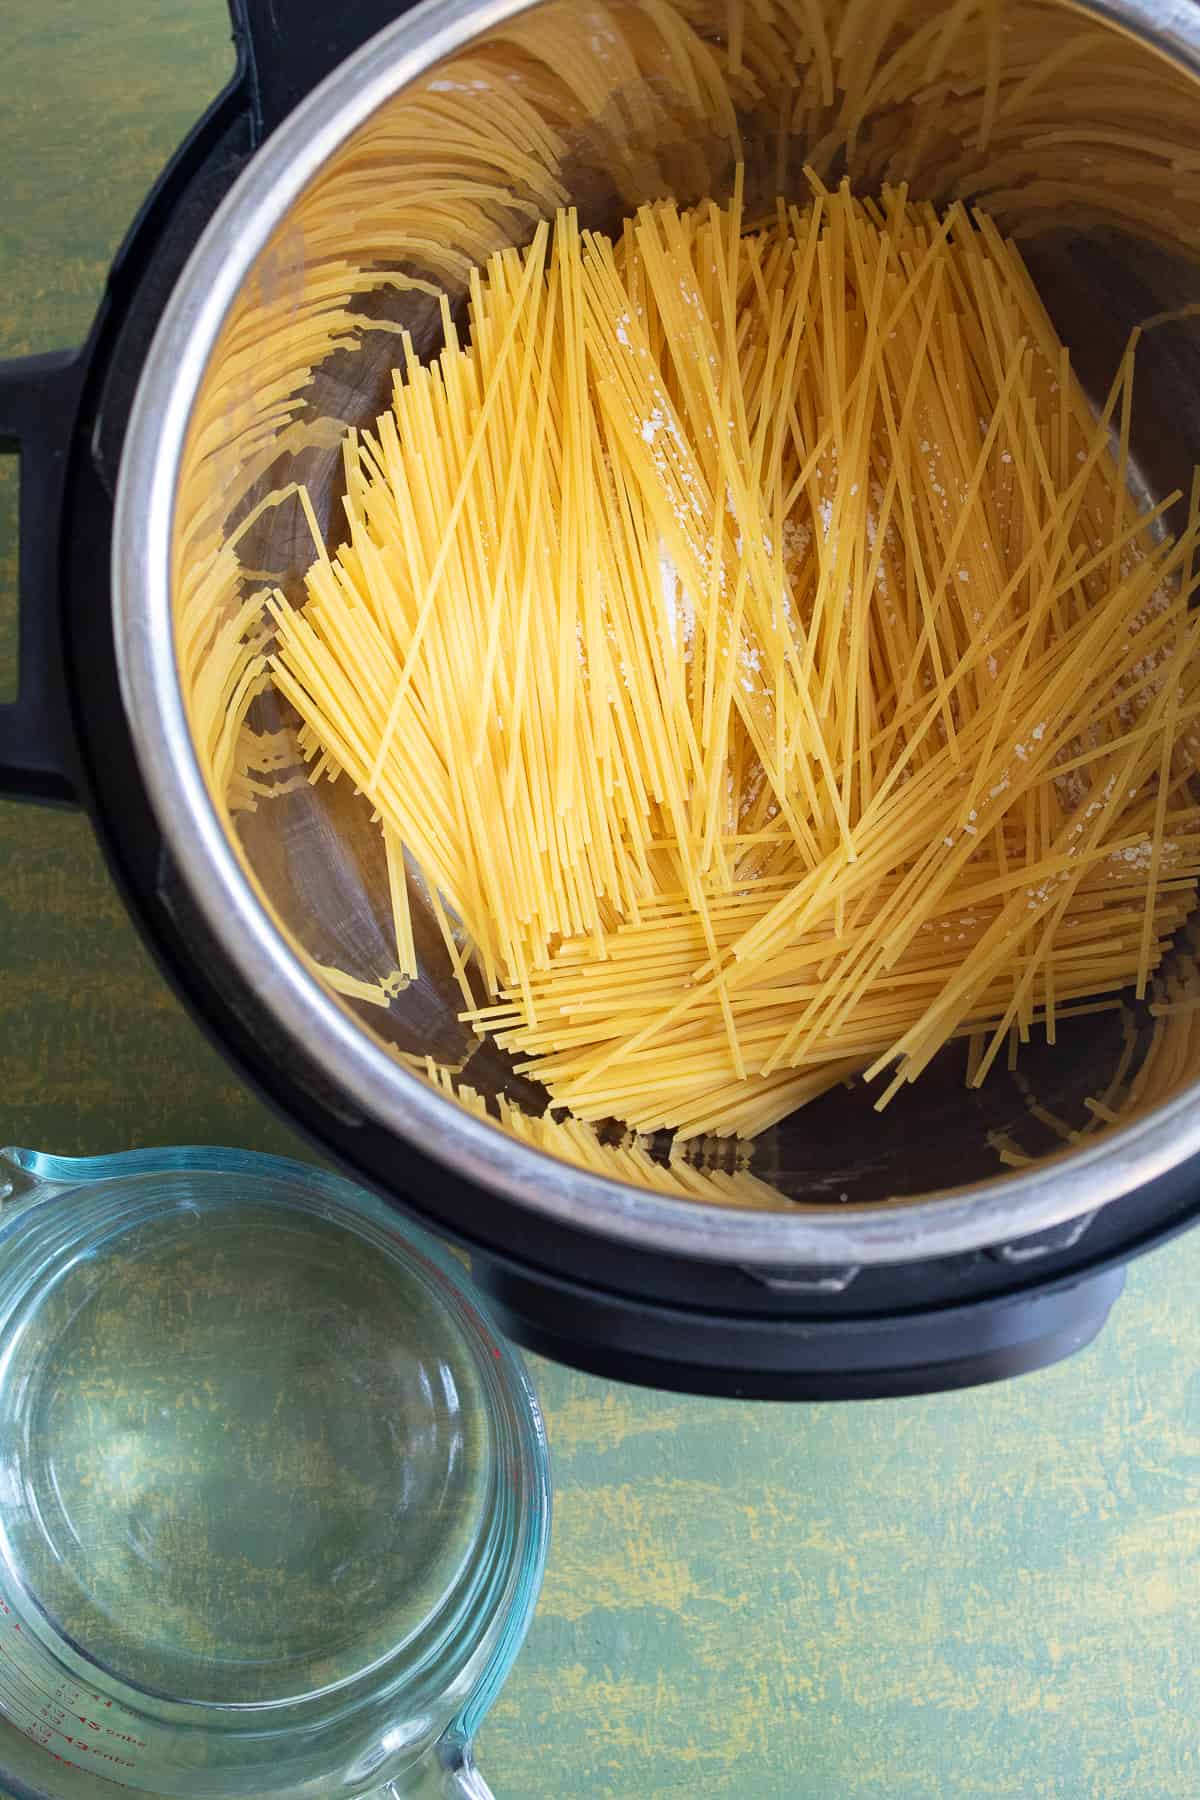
[{"x": 533, "y": 268}]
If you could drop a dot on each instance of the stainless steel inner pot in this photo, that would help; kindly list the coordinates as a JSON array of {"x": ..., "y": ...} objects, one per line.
[{"x": 1079, "y": 127}]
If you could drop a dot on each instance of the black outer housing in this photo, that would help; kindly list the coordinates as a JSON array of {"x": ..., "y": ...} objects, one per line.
[{"x": 634, "y": 1315}]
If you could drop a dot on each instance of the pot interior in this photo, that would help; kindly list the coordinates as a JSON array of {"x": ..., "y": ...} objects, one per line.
[{"x": 1081, "y": 140}]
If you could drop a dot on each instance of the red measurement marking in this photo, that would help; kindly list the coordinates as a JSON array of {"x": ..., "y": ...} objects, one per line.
[
  {"x": 31, "y": 1681},
  {"x": 41, "y": 1735},
  {"x": 55, "y": 1698},
  {"x": 69, "y": 1764}
]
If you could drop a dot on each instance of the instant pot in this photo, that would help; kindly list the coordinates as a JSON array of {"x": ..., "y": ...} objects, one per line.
[{"x": 911, "y": 1257}]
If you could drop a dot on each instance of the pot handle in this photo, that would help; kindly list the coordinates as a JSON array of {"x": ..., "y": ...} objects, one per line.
[
  {"x": 286, "y": 50},
  {"x": 38, "y": 400}
]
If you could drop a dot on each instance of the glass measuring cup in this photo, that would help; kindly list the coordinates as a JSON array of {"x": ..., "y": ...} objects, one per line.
[{"x": 274, "y": 1493}]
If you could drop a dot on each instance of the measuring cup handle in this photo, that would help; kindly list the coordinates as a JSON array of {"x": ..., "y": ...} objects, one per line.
[
  {"x": 450, "y": 1774},
  {"x": 22, "y": 1181},
  {"x": 466, "y": 1783}
]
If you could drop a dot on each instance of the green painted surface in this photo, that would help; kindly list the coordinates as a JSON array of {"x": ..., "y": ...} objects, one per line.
[{"x": 990, "y": 1594}]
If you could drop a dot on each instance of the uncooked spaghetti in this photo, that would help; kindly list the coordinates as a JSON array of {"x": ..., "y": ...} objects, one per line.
[{"x": 747, "y": 628}]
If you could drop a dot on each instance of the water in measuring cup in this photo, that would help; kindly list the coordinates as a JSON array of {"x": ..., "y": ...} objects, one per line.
[{"x": 244, "y": 1457}]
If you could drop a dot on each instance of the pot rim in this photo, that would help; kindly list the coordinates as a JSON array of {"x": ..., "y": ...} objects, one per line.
[{"x": 941, "y": 1223}]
